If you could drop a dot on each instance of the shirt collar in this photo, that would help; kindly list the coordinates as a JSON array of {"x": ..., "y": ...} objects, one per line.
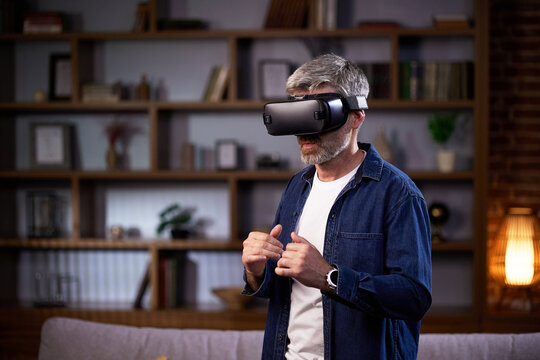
[{"x": 371, "y": 166}]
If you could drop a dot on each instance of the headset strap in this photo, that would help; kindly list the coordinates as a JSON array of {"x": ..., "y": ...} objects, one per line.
[{"x": 356, "y": 102}]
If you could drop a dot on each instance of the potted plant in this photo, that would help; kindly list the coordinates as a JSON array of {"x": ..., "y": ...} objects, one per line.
[
  {"x": 441, "y": 127},
  {"x": 177, "y": 219}
]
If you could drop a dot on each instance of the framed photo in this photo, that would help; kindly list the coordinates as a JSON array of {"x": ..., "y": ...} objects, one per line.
[
  {"x": 60, "y": 77},
  {"x": 273, "y": 76},
  {"x": 227, "y": 155},
  {"x": 42, "y": 214},
  {"x": 50, "y": 146}
]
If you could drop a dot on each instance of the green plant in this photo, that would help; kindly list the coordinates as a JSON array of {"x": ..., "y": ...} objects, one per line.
[
  {"x": 173, "y": 216},
  {"x": 442, "y": 126}
]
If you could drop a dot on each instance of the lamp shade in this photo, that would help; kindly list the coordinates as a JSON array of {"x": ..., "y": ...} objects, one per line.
[{"x": 515, "y": 255}]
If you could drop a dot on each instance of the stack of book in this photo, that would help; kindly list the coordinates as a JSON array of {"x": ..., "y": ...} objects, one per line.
[
  {"x": 287, "y": 14},
  {"x": 43, "y": 22},
  {"x": 197, "y": 158},
  {"x": 451, "y": 21},
  {"x": 171, "y": 285},
  {"x": 102, "y": 93},
  {"x": 436, "y": 81}
]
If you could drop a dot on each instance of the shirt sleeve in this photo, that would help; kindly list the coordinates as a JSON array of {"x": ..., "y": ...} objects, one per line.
[{"x": 404, "y": 290}]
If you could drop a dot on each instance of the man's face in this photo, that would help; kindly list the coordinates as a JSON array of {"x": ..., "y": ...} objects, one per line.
[{"x": 320, "y": 148}]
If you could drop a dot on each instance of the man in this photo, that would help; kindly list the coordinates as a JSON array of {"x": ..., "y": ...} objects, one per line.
[{"x": 347, "y": 264}]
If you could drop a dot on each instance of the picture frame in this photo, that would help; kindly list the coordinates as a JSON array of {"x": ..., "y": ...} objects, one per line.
[
  {"x": 273, "y": 74},
  {"x": 42, "y": 214},
  {"x": 60, "y": 77},
  {"x": 50, "y": 146},
  {"x": 227, "y": 155}
]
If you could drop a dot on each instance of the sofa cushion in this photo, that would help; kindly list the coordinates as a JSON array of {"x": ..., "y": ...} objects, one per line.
[{"x": 64, "y": 338}]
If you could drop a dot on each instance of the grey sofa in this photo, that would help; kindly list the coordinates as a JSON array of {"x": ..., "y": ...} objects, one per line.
[{"x": 64, "y": 338}]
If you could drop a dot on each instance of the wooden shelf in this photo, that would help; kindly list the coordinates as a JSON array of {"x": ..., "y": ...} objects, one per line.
[
  {"x": 239, "y": 105},
  {"x": 242, "y": 34},
  {"x": 148, "y": 244},
  {"x": 247, "y": 175},
  {"x": 143, "y": 244}
]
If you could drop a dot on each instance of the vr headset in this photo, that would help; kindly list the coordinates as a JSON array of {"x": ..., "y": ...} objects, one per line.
[{"x": 310, "y": 114}]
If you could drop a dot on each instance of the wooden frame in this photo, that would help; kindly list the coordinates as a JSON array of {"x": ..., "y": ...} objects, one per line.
[
  {"x": 60, "y": 77},
  {"x": 50, "y": 146},
  {"x": 227, "y": 155}
]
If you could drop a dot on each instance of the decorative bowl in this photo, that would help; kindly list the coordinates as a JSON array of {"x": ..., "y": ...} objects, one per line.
[{"x": 232, "y": 297}]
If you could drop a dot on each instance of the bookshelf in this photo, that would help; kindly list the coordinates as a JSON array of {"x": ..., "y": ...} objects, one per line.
[{"x": 99, "y": 55}]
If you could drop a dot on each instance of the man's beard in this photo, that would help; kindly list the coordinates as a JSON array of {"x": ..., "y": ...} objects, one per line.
[{"x": 327, "y": 149}]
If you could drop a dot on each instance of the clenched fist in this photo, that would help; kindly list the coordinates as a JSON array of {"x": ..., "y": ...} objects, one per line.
[{"x": 258, "y": 248}]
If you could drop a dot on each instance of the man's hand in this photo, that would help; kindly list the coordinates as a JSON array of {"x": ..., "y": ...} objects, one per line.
[
  {"x": 258, "y": 248},
  {"x": 302, "y": 261}
]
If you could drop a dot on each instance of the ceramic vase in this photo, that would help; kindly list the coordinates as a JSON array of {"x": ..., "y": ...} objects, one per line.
[{"x": 446, "y": 160}]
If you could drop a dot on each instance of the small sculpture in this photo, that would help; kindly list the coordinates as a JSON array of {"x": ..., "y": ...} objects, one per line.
[{"x": 438, "y": 215}]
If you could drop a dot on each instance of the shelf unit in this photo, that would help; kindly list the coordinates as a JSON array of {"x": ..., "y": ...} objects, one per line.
[{"x": 239, "y": 45}]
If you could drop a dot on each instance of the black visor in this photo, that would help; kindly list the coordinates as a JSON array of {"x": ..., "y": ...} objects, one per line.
[{"x": 310, "y": 114}]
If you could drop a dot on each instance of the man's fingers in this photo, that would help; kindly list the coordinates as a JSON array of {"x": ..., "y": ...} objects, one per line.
[
  {"x": 259, "y": 247},
  {"x": 276, "y": 231},
  {"x": 254, "y": 258}
]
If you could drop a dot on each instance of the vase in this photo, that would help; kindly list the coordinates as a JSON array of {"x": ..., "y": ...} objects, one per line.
[
  {"x": 112, "y": 158},
  {"x": 446, "y": 160},
  {"x": 179, "y": 233}
]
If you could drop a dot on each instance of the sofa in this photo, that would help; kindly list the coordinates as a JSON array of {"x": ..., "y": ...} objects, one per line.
[{"x": 66, "y": 338}]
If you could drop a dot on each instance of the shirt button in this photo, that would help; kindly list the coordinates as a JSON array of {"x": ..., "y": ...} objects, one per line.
[
  {"x": 280, "y": 337},
  {"x": 285, "y": 307},
  {"x": 294, "y": 213}
]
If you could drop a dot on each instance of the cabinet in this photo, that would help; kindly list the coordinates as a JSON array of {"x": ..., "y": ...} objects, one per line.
[{"x": 233, "y": 202}]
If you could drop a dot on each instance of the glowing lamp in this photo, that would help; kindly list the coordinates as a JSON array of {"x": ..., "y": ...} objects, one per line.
[{"x": 515, "y": 256}]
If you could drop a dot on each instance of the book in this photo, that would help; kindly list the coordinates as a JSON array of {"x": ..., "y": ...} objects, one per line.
[
  {"x": 287, "y": 14},
  {"x": 459, "y": 21},
  {"x": 429, "y": 82},
  {"x": 182, "y": 24},
  {"x": 188, "y": 156},
  {"x": 405, "y": 80},
  {"x": 142, "y": 17},
  {"x": 378, "y": 76},
  {"x": 375, "y": 25},
  {"x": 217, "y": 84},
  {"x": 43, "y": 22},
  {"x": 109, "y": 93},
  {"x": 143, "y": 286}
]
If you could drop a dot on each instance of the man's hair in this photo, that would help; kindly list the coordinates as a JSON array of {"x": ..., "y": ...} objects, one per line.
[{"x": 329, "y": 69}]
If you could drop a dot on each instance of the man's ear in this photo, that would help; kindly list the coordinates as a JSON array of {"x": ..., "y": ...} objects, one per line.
[{"x": 357, "y": 118}]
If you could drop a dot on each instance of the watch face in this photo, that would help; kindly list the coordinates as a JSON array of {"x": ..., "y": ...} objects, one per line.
[{"x": 334, "y": 277}]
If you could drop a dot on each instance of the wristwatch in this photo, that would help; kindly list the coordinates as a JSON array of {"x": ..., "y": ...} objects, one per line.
[{"x": 332, "y": 278}]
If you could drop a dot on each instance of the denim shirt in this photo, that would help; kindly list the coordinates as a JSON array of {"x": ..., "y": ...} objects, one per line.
[{"x": 378, "y": 236}]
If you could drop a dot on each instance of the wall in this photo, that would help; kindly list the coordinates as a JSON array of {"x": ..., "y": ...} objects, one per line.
[{"x": 514, "y": 136}]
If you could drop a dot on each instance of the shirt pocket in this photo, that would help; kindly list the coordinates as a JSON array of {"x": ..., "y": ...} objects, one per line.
[{"x": 361, "y": 251}]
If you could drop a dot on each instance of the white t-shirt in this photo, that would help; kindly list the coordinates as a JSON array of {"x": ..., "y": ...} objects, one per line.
[{"x": 305, "y": 330}]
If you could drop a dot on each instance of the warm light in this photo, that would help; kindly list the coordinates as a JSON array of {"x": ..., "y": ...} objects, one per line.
[
  {"x": 519, "y": 259},
  {"x": 515, "y": 256}
]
